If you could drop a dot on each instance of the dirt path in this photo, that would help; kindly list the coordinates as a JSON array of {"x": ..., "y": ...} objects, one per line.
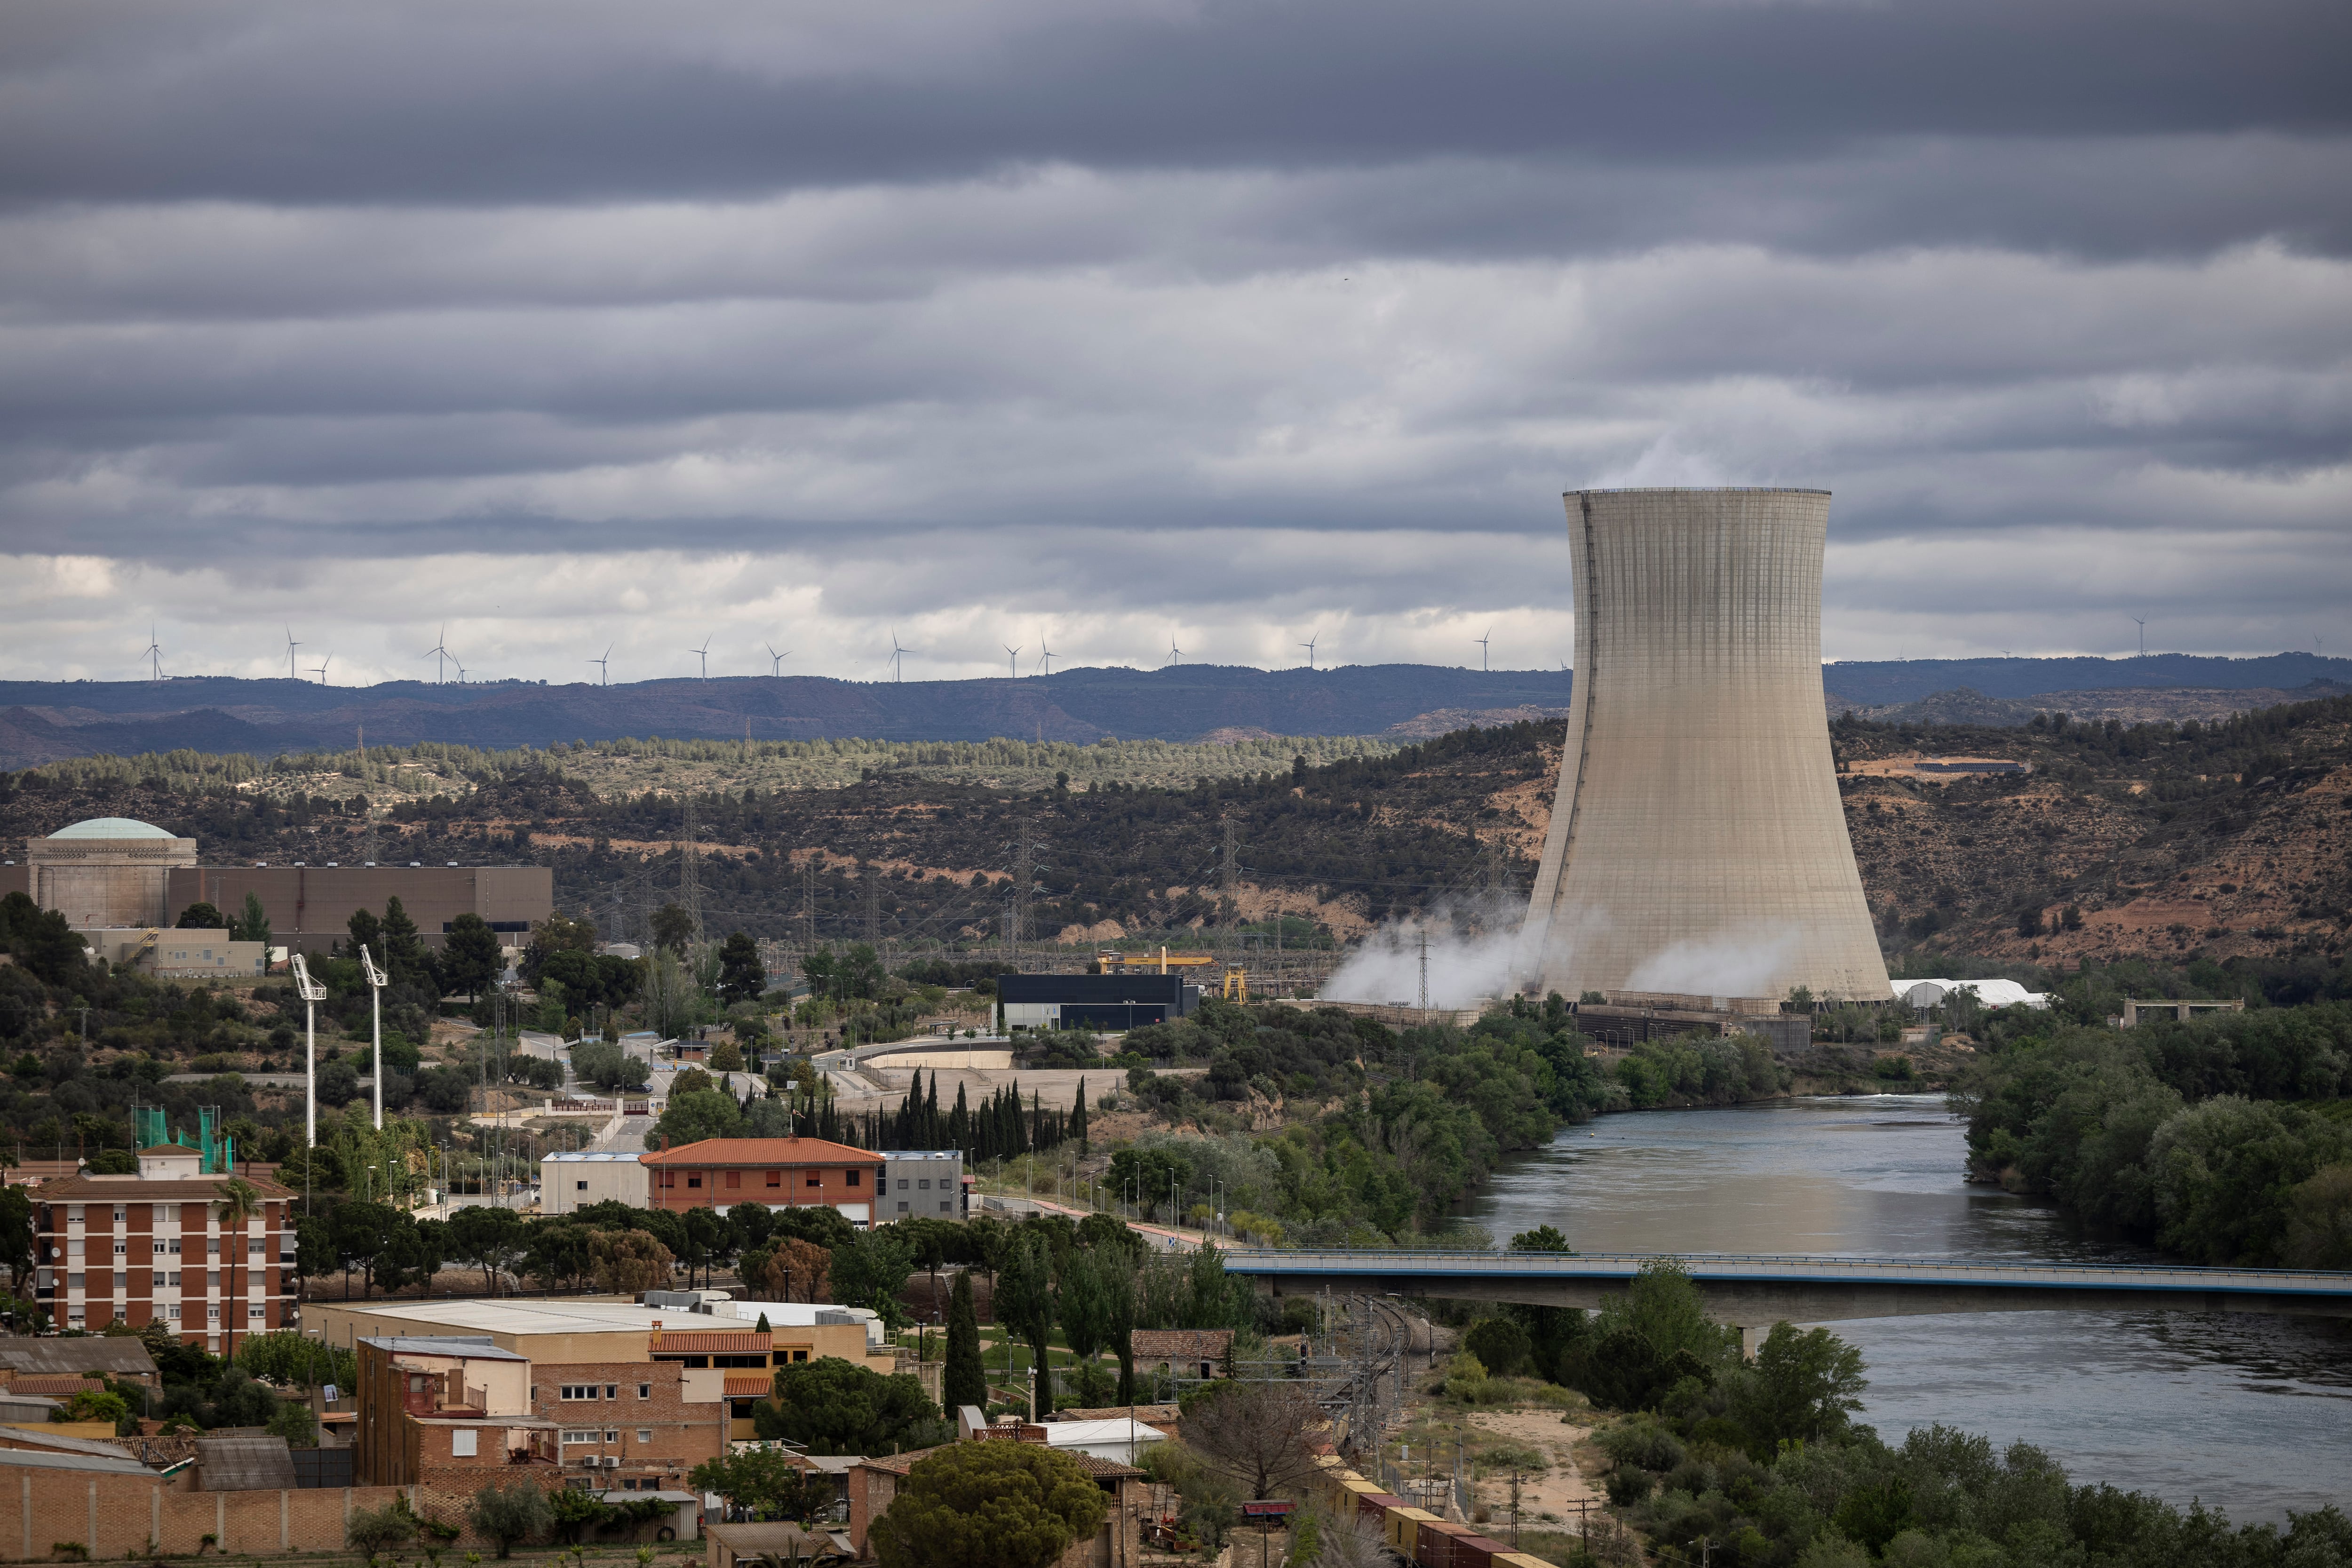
[{"x": 1554, "y": 1495}]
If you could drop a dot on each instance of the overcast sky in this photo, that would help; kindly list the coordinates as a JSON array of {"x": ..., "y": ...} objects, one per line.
[{"x": 582, "y": 323}]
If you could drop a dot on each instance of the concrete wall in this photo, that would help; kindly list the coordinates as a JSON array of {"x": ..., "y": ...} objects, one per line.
[
  {"x": 103, "y": 882},
  {"x": 311, "y": 906},
  {"x": 1697, "y": 842}
]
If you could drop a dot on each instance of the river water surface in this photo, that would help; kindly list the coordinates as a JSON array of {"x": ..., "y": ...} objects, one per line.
[{"x": 2251, "y": 1415}]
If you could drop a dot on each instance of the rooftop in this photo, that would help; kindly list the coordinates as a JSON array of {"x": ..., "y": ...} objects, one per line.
[
  {"x": 764, "y": 1151},
  {"x": 629, "y": 1155},
  {"x": 113, "y": 828},
  {"x": 691, "y": 1342},
  {"x": 147, "y": 1189},
  {"x": 36, "y": 1459},
  {"x": 117, "y": 1353},
  {"x": 463, "y": 1316},
  {"x": 464, "y": 1346}
]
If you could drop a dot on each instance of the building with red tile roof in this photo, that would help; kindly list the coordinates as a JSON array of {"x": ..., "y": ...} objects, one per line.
[{"x": 777, "y": 1173}]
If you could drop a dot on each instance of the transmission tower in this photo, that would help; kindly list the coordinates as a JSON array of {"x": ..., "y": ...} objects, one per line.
[
  {"x": 1229, "y": 878},
  {"x": 808, "y": 901},
  {"x": 1025, "y": 873},
  {"x": 689, "y": 875}
]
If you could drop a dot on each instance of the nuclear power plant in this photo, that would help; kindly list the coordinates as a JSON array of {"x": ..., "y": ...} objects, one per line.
[{"x": 1697, "y": 844}]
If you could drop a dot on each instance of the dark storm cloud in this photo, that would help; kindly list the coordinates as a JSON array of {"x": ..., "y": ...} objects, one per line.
[
  {"x": 328, "y": 101},
  {"x": 1241, "y": 321}
]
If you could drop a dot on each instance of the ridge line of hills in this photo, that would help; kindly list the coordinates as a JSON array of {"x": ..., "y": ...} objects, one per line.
[{"x": 51, "y": 721}]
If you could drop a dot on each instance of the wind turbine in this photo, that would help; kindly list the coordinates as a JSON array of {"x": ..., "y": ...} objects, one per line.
[
  {"x": 2142, "y": 624},
  {"x": 319, "y": 669},
  {"x": 603, "y": 664},
  {"x": 1482, "y": 649},
  {"x": 1175, "y": 654},
  {"x": 1309, "y": 646},
  {"x": 154, "y": 651},
  {"x": 703, "y": 653},
  {"x": 1012, "y": 659},
  {"x": 291, "y": 646},
  {"x": 775, "y": 660},
  {"x": 439, "y": 654},
  {"x": 898, "y": 653},
  {"x": 1044, "y": 654}
]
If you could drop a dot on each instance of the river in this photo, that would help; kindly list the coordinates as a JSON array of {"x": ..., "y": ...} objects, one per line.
[{"x": 2252, "y": 1414}]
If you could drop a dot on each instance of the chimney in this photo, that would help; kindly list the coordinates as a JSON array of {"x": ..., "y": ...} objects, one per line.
[{"x": 656, "y": 1333}]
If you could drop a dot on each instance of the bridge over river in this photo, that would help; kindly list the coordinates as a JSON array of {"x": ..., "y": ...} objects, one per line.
[{"x": 1754, "y": 1290}]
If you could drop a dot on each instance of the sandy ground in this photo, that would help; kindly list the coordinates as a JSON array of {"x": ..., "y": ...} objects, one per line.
[{"x": 1551, "y": 1496}]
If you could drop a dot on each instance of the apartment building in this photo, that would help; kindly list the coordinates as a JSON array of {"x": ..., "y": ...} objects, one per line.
[
  {"x": 918, "y": 1183},
  {"x": 152, "y": 1249},
  {"x": 780, "y": 1172}
]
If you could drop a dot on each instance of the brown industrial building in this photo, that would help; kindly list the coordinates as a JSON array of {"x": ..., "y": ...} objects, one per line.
[{"x": 112, "y": 874}]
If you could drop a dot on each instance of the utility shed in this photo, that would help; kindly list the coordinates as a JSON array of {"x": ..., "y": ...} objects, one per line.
[{"x": 245, "y": 1462}]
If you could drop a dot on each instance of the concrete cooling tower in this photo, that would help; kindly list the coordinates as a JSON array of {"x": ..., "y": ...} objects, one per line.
[{"x": 1698, "y": 844}]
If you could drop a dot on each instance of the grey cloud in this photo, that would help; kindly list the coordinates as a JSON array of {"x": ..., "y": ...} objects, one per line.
[{"x": 331, "y": 102}]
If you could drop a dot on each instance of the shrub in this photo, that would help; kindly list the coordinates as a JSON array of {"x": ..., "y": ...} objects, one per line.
[
  {"x": 509, "y": 1514},
  {"x": 1500, "y": 1344},
  {"x": 1642, "y": 1442},
  {"x": 1628, "y": 1484},
  {"x": 379, "y": 1529}
]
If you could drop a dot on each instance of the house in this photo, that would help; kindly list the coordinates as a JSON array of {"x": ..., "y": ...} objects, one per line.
[
  {"x": 779, "y": 1173},
  {"x": 1186, "y": 1352},
  {"x": 119, "y": 1357}
]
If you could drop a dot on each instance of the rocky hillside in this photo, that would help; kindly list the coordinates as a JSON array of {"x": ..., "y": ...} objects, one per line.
[{"x": 2106, "y": 840}]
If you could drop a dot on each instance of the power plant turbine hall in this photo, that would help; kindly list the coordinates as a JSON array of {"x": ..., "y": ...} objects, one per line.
[{"x": 1698, "y": 843}]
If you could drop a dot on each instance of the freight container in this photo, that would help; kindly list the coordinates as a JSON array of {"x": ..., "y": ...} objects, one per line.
[
  {"x": 1404, "y": 1525},
  {"x": 1433, "y": 1546},
  {"x": 1376, "y": 1507},
  {"x": 1477, "y": 1551},
  {"x": 1519, "y": 1560}
]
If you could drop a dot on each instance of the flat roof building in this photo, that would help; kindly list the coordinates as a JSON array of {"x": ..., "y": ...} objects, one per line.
[
  {"x": 149, "y": 1248},
  {"x": 1094, "y": 1001},
  {"x": 918, "y": 1183},
  {"x": 576, "y": 1179}
]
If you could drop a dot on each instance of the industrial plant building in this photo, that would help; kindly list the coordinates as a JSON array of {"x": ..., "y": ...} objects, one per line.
[
  {"x": 1120, "y": 1001},
  {"x": 112, "y": 876},
  {"x": 1698, "y": 843}
]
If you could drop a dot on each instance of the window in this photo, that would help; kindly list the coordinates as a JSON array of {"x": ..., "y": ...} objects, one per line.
[
  {"x": 814, "y": 1180},
  {"x": 120, "y": 1214},
  {"x": 211, "y": 1247},
  {"x": 159, "y": 1249},
  {"x": 580, "y": 1186},
  {"x": 255, "y": 1248},
  {"x": 694, "y": 1178},
  {"x": 73, "y": 1214},
  {"x": 612, "y": 1391},
  {"x": 121, "y": 1248},
  {"x": 849, "y": 1178},
  {"x": 173, "y": 1280},
  {"x": 946, "y": 1208},
  {"x": 882, "y": 1184},
  {"x": 577, "y": 1391},
  {"x": 645, "y": 1435},
  {"x": 902, "y": 1206},
  {"x": 73, "y": 1247},
  {"x": 925, "y": 1183},
  {"x": 122, "y": 1280},
  {"x": 73, "y": 1281},
  {"x": 775, "y": 1178},
  {"x": 734, "y": 1178},
  {"x": 257, "y": 1312},
  {"x": 211, "y": 1278},
  {"x": 572, "y": 1438},
  {"x": 212, "y": 1313},
  {"x": 172, "y": 1311},
  {"x": 172, "y": 1247},
  {"x": 645, "y": 1391},
  {"x": 612, "y": 1437},
  {"x": 461, "y": 1443}
]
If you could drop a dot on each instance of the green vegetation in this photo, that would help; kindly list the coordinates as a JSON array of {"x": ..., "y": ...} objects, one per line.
[
  {"x": 1762, "y": 1460},
  {"x": 989, "y": 1505},
  {"x": 2222, "y": 1139}
]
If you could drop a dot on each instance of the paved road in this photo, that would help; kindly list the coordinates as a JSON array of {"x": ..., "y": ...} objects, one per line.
[{"x": 1761, "y": 1290}]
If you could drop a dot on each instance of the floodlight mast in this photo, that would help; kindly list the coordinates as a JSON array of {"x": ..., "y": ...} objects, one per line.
[
  {"x": 312, "y": 994},
  {"x": 376, "y": 981}
]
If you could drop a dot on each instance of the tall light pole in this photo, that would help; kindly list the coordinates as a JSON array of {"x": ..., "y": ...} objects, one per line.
[
  {"x": 312, "y": 993},
  {"x": 376, "y": 979}
]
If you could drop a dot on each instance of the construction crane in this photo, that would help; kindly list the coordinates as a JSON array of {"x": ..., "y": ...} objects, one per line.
[
  {"x": 1164, "y": 960},
  {"x": 1237, "y": 985}
]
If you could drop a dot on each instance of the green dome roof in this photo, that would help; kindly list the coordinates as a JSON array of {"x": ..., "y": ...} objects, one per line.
[{"x": 111, "y": 827}]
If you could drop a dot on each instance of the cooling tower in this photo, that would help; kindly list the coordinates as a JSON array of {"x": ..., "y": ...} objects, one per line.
[{"x": 1697, "y": 842}]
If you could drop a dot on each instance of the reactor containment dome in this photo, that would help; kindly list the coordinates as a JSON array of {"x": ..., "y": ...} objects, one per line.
[{"x": 1698, "y": 843}]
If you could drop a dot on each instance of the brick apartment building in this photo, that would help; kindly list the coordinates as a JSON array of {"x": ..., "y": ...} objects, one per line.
[
  {"x": 780, "y": 1172},
  {"x": 452, "y": 1414},
  {"x": 150, "y": 1248}
]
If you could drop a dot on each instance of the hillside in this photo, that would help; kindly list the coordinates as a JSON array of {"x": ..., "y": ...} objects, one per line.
[
  {"x": 2216, "y": 839},
  {"x": 48, "y": 720}
]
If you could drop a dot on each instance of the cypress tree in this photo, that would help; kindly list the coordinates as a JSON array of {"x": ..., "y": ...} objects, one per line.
[
  {"x": 1079, "y": 1118},
  {"x": 963, "y": 1381}
]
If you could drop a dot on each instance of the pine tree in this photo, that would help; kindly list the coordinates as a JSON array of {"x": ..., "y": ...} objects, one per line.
[
  {"x": 964, "y": 1381},
  {"x": 1079, "y": 1118}
]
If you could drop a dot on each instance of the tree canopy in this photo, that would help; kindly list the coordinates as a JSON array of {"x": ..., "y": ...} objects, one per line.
[{"x": 989, "y": 1505}]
